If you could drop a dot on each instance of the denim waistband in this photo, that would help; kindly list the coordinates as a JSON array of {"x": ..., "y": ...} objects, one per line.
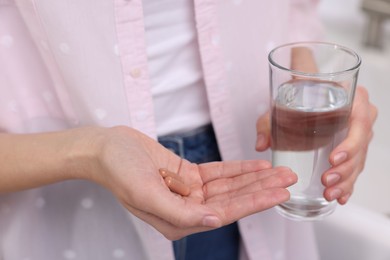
[{"x": 198, "y": 145}]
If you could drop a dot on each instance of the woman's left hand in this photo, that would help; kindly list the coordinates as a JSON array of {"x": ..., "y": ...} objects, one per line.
[{"x": 348, "y": 158}]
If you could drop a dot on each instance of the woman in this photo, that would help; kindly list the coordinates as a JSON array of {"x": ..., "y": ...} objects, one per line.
[{"x": 74, "y": 71}]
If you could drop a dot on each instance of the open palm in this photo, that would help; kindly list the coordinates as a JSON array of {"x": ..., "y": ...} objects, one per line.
[{"x": 220, "y": 192}]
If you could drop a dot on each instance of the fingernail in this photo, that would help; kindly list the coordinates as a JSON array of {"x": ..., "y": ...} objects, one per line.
[
  {"x": 335, "y": 194},
  {"x": 260, "y": 141},
  {"x": 332, "y": 179},
  {"x": 339, "y": 158},
  {"x": 211, "y": 221}
]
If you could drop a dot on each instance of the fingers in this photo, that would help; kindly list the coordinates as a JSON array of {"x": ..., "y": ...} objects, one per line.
[
  {"x": 226, "y": 213},
  {"x": 363, "y": 116},
  {"x": 349, "y": 157},
  {"x": 179, "y": 211},
  {"x": 280, "y": 177},
  {"x": 169, "y": 230},
  {"x": 256, "y": 196},
  {"x": 263, "y": 189},
  {"x": 216, "y": 170},
  {"x": 250, "y": 203},
  {"x": 340, "y": 179},
  {"x": 263, "y": 128},
  {"x": 264, "y": 179},
  {"x": 339, "y": 182}
]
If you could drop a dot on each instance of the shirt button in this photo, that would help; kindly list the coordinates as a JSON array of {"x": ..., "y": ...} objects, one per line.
[{"x": 135, "y": 73}]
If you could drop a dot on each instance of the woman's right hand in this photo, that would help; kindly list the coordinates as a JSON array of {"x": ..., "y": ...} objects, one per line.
[{"x": 128, "y": 164}]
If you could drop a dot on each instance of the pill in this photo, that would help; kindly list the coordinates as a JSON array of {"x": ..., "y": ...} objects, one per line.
[
  {"x": 177, "y": 186},
  {"x": 165, "y": 173}
]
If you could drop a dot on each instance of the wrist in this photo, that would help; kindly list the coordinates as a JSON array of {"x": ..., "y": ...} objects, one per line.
[{"x": 82, "y": 157}]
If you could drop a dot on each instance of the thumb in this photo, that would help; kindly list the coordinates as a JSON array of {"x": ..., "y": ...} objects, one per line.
[
  {"x": 182, "y": 212},
  {"x": 263, "y": 129}
]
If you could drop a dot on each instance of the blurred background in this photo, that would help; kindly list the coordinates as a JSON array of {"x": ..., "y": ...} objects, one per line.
[{"x": 368, "y": 33}]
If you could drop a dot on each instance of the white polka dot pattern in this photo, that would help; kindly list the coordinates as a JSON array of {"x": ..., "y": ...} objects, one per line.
[
  {"x": 44, "y": 45},
  {"x": 228, "y": 66},
  {"x": 116, "y": 50},
  {"x": 40, "y": 203},
  {"x": 118, "y": 253},
  {"x": 5, "y": 209},
  {"x": 6, "y": 41},
  {"x": 100, "y": 113},
  {"x": 12, "y": 106},
  {"x": 87, "y": 203},
  {"x": 64, "y": 48},
  {"x": 69, "y": 254}
]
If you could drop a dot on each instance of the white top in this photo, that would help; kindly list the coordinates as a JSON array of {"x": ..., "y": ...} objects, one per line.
[{"x": 175, "y": 71}]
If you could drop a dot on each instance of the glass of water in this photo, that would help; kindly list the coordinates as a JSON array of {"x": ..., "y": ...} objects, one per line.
[{"x": 312, "y": 90}]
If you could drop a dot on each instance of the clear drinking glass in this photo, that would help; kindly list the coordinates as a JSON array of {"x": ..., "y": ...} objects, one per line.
[{"x": 312, "y": 90}]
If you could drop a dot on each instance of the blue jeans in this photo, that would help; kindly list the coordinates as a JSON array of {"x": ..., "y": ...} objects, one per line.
[{"x": 200, "y": 146}]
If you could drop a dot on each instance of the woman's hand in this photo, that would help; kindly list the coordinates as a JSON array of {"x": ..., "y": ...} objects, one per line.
[
  {"x": 220, "y": 192},
  {"x": 348, "y": 158},
  {"x": 127, "y": 163}
]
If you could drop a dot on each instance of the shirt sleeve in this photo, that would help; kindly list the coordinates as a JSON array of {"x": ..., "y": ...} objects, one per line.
[
  {"x": 305, "y": 24},
  {"x": 28, "y": 102}
]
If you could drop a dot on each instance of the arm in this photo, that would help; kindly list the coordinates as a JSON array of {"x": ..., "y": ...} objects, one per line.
[
  {"x": 127, "y": 163},
  {"x": 33, "y": 160}
]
